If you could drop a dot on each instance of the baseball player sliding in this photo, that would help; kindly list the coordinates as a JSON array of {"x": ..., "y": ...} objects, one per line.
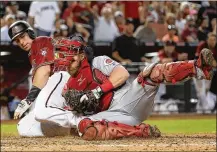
[{"x": 103, "y": 104}]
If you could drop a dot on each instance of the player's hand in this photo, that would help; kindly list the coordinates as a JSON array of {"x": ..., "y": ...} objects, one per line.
[
  {"x": 93, "y": 94},
  {"x": 22, "y": 107}
]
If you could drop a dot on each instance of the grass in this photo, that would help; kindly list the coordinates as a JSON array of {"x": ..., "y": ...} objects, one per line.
[
  {"x": 188, "y": 126},
  {"x": 9, "y": 129}
]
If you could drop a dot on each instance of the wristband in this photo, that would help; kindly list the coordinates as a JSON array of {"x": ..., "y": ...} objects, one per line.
[
  {"x": 33, "y": 93},
  {"x": 107, "y": 86}
]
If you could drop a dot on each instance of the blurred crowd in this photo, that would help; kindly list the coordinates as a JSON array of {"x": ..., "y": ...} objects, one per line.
[{"x": 122, "y": 23}]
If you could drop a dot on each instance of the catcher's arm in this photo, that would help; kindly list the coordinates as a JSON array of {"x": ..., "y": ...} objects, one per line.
[
  {"x": 39, "y": 81},
  {"x": 118, "y": 77}
]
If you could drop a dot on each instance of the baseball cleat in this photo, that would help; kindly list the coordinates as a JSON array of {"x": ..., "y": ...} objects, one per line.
[
  {"x": 206, "y": 58},
  {"x": 204, "y": 64},
  {"x": 150, "y": 131}
]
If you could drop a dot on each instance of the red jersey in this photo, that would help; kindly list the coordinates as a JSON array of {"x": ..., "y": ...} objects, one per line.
[
  {"x": 86, "y": 79},
  {"x": 41, "y": 52},
  {"x": 131, "y": 9}
]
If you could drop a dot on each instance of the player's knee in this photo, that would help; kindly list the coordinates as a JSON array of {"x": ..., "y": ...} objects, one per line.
[
  {"x": 40, "y": 116},
  {"x": 25, "y": 130},
  {"x": 21, "y": 130}
]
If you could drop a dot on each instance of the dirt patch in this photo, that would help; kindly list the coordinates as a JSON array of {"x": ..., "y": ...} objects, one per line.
[{"x": 179, "y": 142}]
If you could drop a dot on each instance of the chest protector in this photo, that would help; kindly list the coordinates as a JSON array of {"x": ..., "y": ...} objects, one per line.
[{"x": 88, "y": 79}]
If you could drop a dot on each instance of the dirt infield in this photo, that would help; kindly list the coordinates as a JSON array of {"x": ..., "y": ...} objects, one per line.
[
  {"x": 168, "y": 142},
  {"x": 165, "y": 143}
]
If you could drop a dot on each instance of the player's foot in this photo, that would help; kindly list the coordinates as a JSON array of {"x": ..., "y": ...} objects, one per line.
[
  {"x": 152, "y": 131},
  {"x": 204, "y": 64}
]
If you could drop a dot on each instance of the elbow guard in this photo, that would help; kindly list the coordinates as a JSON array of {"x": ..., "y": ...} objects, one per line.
[{"x": 33, "y": 93}]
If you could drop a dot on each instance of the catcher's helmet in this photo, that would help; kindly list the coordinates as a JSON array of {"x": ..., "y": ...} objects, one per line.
[{"x": 19, "y": 28}]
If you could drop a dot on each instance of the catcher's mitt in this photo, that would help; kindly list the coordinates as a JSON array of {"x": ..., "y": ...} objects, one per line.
[{"x": 81, "y": 101}]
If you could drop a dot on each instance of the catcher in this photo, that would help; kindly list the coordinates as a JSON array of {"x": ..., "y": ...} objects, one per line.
[{"x": 101, "y": 86}]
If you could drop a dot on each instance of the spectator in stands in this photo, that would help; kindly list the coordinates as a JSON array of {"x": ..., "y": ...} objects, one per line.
[
  {"x": 81, "y": 12},
  {"x": 63, "y": 30},
  {"x": 6, "y": 97},
  {"x": 57, "y": 24},
  {"x": 43, "y": 16},
  {"x": 209, "y": 11},
  {"x": 185, "y": 9},
  {"x": 189, "y": 34},
  {"x": 171, "y": 19},
  {"x": 76, "y": 28},
  {"x": 169, "y": 54},
  {"x": 180, "y": 23},
  {"x": 214, "y": 27},
  {"x": 131, "y": 11},
  {"x": 145, "y": 33},
  {"x": 210, "y": 43},
  {"x": 13, "y": 8},
  {"x": 125, "y": 47},
  {"x": 143, "y": 11},
  {"x": 68, "y": 11},
  {"x": 171, "y": 35},
  {"x": 105, "y": 27},
  {"x": 171, "y": 7},
  {"x": 203, "y": 29},
  {"x": 158, "y": 12},
  {"x": 120, "y": 21},
  {"x": 9, "y": 19}
]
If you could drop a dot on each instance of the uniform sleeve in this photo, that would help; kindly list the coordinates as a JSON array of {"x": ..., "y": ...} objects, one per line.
[
  {"x": 104, "y": 64},
  {"x": 32, "y": 9},
  {"x": 42, "y": 52}
]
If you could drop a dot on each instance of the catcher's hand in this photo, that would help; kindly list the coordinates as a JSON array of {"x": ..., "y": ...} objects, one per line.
[
  {"x": 86, "y": 102},
  {"x": 22, "y": 107}
]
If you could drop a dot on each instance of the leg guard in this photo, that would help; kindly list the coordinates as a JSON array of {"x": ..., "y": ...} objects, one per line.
[
  {"x": 179, "y": 71},
  {"x": 103, "y": 130},
  {"x": 173, "y": 72},
  {"x": 168, "y": 72}
]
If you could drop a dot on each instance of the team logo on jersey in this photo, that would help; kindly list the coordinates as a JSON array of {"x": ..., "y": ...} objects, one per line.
[
  {"x": 44, "y": 51},
  {"x": 81, "y": 80},
  {"x": 108, "y": 61}
]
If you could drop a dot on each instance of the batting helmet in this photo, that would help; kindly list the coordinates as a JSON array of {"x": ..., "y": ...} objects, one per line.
[{"x": 19, "y": 28}]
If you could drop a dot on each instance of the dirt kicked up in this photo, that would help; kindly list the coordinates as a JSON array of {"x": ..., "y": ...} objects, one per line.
[{"x": 179, "y": 142}]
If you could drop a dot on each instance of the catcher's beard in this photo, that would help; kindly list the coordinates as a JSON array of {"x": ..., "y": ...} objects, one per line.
[{"x": 74, "y": 67}]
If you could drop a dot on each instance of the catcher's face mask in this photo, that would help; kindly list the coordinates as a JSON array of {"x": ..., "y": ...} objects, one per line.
[{"x": 66, "y": 52}]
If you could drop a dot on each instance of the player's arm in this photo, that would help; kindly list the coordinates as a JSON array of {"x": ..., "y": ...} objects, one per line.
[
  {"x": 119, "y": 76},
  {"x": 43, "y": 57},
  {"x": 39, "y": 81},
  {"x": 41, "y": 76}
]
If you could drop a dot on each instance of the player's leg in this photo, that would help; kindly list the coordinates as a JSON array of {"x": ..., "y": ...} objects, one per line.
[
  {"x": 29, "y": 127},
  {"x": 139, "y": 99},
  {"x": 179, "y": 71},
  {"x": 50, "y": 104},
  {"x": 104, "y": 130}
]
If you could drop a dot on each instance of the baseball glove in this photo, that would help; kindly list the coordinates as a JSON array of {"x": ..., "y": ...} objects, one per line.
[{"x": 83, "y": 102}]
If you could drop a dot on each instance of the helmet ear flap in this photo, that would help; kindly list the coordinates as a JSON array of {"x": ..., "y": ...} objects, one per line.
[{"x": 31, "y": 34}]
